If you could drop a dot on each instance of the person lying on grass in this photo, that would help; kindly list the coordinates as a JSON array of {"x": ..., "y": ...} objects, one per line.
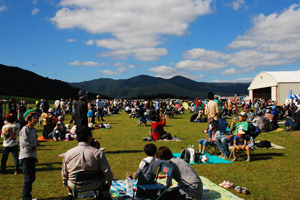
[{"x": 240, "y": 143}]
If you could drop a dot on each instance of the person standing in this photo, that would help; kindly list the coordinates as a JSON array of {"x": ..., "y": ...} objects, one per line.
[
  {"x": 81, "y": 109},
  {"x": 212, "y": 108},
  {"x": 28, "y": 156},
  {"x": 99, "y": 107}
]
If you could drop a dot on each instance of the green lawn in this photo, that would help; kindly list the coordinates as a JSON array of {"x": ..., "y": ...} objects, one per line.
[{"x": 272, "y": 174}]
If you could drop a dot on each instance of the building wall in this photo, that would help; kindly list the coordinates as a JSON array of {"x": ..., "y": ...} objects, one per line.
[{"x": 284, "y": 90}]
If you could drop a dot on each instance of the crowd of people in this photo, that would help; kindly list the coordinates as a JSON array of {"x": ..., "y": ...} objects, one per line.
[{"x": 253, "y": 118}]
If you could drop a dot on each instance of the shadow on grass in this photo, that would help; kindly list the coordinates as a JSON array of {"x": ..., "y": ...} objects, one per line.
[
  {"x": 59, "y": 198},
  {"x": 265, "y": 156},
  {"x": 123, "y": 151}
]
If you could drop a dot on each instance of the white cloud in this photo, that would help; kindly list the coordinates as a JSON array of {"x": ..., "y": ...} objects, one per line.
[
  {"x": 163, "y": 70},
  {"x": 3, "y": 8},
  {"x": 86, "y": 63},
  {"x": 35, "y": 1},
  {"x": 204, "y": 54},
  {"x": 71, "y": 40},
  {"x": 199, "y": 65},
  {"x": 232, "y": 71},
  {"x": 237, "y": 4},
  {"x": 144, "y": 54},
  {"x": 35, "y": 11},
  {"x": 90, "y": 42},
  {"x": 120, "y": 70},
  {"x": 133, "y": 24},
  {"x": 238, "y": 80}
]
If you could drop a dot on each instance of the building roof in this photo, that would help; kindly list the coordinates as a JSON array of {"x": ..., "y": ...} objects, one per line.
[{"x": 273, "y": 78}]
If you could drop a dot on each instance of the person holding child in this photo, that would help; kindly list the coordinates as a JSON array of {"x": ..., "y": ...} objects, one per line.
[
  {"x": 28, "y": 156},
  {"x": 203, "y": 143},
  {"x": 147, "y": 169},
  {"x": 10, "y": 142},
  {"x": 240, "y": 143}
]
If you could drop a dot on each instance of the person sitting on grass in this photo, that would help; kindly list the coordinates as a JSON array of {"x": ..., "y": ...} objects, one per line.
[
  {"x": 204, "y": 142},
  {"x": 142, "y": 118},
  {"x": 147, "y": 169},
  {"x": 240, "y": 143},
  {"x": 157, "y": 128},
  {"x": 56, "y": 134},
  {"x": 190, "y": 184},
  {"x": 293, "y": 124}
]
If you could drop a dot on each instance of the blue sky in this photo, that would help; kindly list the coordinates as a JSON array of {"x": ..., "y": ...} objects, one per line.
[{"x": 204, "y": 40}]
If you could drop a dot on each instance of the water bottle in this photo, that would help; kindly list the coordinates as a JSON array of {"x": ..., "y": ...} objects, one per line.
[{"x": 251, "y": 142}]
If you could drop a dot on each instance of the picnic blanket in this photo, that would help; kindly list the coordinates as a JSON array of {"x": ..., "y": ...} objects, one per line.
[
  {"x": 210, "y": 190},
  {"x": 277, "y": 130},
  {"x": 211, "y": 159},
  {"x": 174, "y": 139},
  {"x": 273, "y": 146}
]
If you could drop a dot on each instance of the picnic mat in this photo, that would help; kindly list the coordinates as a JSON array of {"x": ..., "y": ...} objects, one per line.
[
  {"x": 176, "y": 139},
  {"x": 277, "y": 130},
  {"x": 211, "y": 159},
  {"x": 210, "y": 190}
]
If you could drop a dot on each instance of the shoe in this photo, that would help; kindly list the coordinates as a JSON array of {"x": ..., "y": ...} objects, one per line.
[
  {"x": 234, "y": 159},
  {"x": 224, "y": 183},
  {"x": 248, "y": 160},
  {"x": 238, "y": 189},
  {"x": 225, "y": 157},
  {"x": 228, "y": 185},
  {"x": 221, "y": 156},
  {"x": 16, "y": 172},
  {"x": 245, "y": 191}
]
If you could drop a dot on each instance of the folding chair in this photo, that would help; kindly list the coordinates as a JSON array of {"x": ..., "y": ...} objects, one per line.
[
  {"x": 84, "y": 176},
  {"x": 243, "y": 153},
  {"x": 150, "y": 189},
  {"x": 212, "y": 149}
]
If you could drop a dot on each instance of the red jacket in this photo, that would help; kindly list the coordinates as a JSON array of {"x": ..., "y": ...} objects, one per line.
[{"x": 156, "y": 128}]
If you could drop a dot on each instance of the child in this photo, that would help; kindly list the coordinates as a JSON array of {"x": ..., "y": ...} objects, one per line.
[
  {"x": 56, "y": 134},
  {"x": 72, "y": 134},
  {"x": 204, "y": 142},
  {"x": 142, "y": 118},
  {"x": 147, "y": 169},
  {"x": 10, "y": 142},
  {"x": 90, "y": 114},
  {"x": 239, "y": 143},
  {"x": 28, "y": 146}
]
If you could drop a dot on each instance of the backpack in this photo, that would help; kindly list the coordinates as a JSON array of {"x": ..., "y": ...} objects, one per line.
[
  {"x": 185, "y": 155},
  {"x": 264, "y": 144},
  {"x": 146, "y": 176}
]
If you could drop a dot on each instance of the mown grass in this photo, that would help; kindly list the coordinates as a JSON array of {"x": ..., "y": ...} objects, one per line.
[{"x": 272, "y": 174}]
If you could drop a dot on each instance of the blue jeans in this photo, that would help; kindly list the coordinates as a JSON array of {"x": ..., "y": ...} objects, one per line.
[
  {"x": 53, "y": 135},
  {"x": 222, "y": 143},
  {"x": 6, "y": 151},
  {"x": 204, "y": 142},
  {"x": 289, "y": 122},
  {"x": 28, "y": 167}
]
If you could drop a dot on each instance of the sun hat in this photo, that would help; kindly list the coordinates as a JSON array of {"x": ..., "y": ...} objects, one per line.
[
  {"x": 28, "y": 113},
  {"x": 241, "y": 130},
  {"x": 82, "y": 94},
  {"x": 60, "y": 118}
]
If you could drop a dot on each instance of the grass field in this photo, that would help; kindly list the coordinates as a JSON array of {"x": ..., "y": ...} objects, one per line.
[{"x": 272, "y": 174}]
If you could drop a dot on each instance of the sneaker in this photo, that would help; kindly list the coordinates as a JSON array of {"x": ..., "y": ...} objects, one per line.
[
  {"x": 225, "y": 157},
  {"x": 245, "y": 191},
  {"x": 234, "y": 159},
  {"x": 221, "y": 156},
  {"x": 248, "y": 160},
  {"x": 238, "y": 189},
  {"x": 224, "y": 183},
  {"x": 16, "y": 172},
  {"x": 228, "y": 185}
]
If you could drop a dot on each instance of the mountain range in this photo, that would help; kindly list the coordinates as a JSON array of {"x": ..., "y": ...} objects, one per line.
[
  {"x": 143, "y": 86},
  {"x": 19, "y": 82}
]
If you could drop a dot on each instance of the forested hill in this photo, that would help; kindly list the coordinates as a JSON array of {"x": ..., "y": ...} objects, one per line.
[
  {"x": 15, "y": 81},
  {"x": 147, "y": 86}
]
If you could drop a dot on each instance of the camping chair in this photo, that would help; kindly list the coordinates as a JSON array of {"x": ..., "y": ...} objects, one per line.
[
  {"x": 150, "y": 189},
  {"x": 243, "y": 153},
  {"x": 212, "y": 149},
  {"x": 85, "y": 176}
]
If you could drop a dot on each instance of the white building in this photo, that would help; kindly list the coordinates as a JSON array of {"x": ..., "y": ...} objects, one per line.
[{"x": 275, "y": 85}]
